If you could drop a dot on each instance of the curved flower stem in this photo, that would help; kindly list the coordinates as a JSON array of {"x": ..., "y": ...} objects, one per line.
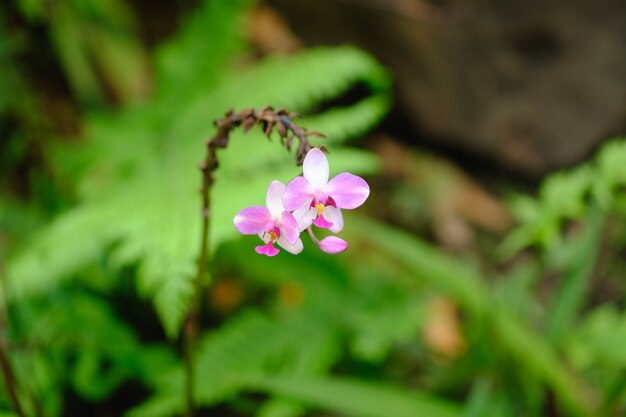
[
  {"x": 269, "y": 120},
  {"x": 312, "y": 235}
]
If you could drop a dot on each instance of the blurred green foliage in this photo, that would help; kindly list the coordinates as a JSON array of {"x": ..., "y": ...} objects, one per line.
[
  {"x": 97, "y": 45},
  {"x": 93, "y": 300}
]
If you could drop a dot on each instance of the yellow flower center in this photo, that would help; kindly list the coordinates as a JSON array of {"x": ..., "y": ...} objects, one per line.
[
  {"x": 319, "y": 207},
  {"x": 272, "y": 235}
]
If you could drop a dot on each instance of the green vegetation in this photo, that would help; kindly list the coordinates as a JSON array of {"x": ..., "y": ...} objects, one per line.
[{"x": 99, "y": 255}]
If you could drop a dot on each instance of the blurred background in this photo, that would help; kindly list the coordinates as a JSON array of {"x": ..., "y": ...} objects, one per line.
[{"x": 485, "y": 274}]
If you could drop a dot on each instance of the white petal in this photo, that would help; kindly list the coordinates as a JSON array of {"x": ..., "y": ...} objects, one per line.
[
  {"x": 315, "y": 168},
  {"x": 265, "y": 237},
  {"x": 274, "y": 199},
  {"x": 295, "y": 248},
  {"x": 333, "y": 215},
  {"x": 304, "y": 216}
]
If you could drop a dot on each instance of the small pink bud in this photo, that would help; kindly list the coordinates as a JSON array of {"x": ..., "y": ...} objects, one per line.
[{"x": 333, "y": 244}]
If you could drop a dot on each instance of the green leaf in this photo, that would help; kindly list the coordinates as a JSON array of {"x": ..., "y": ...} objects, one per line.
[
  {"x": 356, "y": 398},
  {"x": 538, "y": 359},
  {"x": 426, "y": 263},
  {"x": 599, "y": 340},
  {"x": 580, "y": 254},
  {"x": 465, "y": 287}
]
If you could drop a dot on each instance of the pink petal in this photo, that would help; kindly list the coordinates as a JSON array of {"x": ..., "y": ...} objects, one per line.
[
  {"x": 274, "y": 198},
  {"x": 333, "y": 244},
  {"x": 297, "y": 194},
  {"x": 321, "y": 222},
  {"x": 333, "y": 215},
  {"x": 347, "y": 190},
  {"x": 315, "y": 168},
  {"x": 267, "y": 249},
  {"x": 252, "y": 220},
  {"x": 294, "y": 248},
  {"x": 288, "y": 226}
]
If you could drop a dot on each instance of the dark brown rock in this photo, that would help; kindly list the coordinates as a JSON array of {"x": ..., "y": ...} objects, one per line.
[{"x": 533, "y": 84}]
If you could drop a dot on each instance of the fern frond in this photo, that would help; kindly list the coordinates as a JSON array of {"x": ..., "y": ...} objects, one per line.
[
  {"x": 313, "y": 359},
  {"x": 339, "y": 124},
  {"x": 599, "y": 340},
  {"x": 248, "y": 345},
  {"x": 141, "y": 191},
  {"x": 301, "y": 81},
  {"x": 75, "y": 339},
  {"x": 565, "y": 196},
  {"x": 241, "y": 350},
  {"x": 214, "y": 23},
  {"x": 304, "y": 341},
  {"x": 60, "y": 249}
]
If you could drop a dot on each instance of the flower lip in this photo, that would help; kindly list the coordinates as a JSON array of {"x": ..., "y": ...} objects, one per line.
[
  {"x": 267, "y": 249},
  {"x": 322, "y": 223}
]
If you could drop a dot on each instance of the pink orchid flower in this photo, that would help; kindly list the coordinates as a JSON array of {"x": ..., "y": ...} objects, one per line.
[
  {"x": 273, "y": 223},
  {"x": 316, "y": 200}
]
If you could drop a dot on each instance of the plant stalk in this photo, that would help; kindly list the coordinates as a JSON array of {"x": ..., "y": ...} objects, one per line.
[
  {"x": 270, "y": 120},
  {"x": 9, "y": 382},
  {"x": 5, "y": 364}
]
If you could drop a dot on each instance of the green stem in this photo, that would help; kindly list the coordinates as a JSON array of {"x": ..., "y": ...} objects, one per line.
[
  {"x": 192, "y": 322},
  {"x": 5, "y": 364},
  {"x": 9, "y": 382}
]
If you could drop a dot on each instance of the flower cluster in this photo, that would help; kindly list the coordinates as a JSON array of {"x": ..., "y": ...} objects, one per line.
[{"x": 308, "y": 200}]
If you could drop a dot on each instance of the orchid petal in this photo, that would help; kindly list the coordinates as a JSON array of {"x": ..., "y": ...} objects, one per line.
[
  {"x": 333, "y": 244},
  {"x": 304, "y": 216},
  {"x": 347, "y": 190},
  {"x": 297, "y": 194},
  {"x": 321, "y": 222},
  {"x": 315, "y": 168},
  {"x": 288, "y": 226},
  {"x": 267, "y": 249},
  {"x": 274, "y": 198},
  {"x": 294, "y": 248},
  {"x": 333, "y": 215},
  {"x": 252, "y": 220}
]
